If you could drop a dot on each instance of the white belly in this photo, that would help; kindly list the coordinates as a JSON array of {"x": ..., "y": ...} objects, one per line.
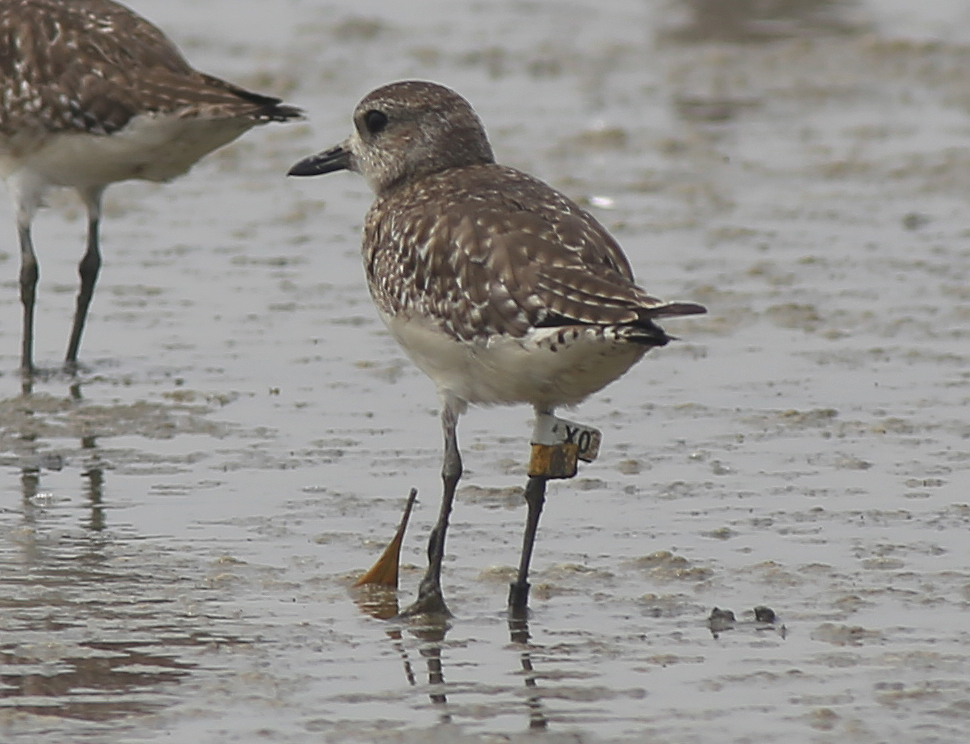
[
  {"x": 153, "y": 148},
  {"x": 547, "y": 368}
]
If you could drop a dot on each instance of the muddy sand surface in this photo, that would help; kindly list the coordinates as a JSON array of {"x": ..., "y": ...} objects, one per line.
[{"x": 179, "y": 531}]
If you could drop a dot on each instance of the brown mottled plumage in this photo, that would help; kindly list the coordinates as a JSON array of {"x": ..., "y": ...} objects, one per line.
[
  {"x": 499, "y": 287},
  {"x": 93, "y": 65},
  {"x": 522, "y": 256},
  {"x": 90, "y": 94}
]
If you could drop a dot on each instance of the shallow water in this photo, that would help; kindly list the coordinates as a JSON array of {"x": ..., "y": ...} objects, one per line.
[{"x": 177, "y": 543}]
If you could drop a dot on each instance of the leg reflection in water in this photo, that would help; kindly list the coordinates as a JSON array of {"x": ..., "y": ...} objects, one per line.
[{"x": 519, "y": 635}]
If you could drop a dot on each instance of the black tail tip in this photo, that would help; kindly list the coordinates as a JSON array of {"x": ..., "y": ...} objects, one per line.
[{"x": 283, "y": 112}]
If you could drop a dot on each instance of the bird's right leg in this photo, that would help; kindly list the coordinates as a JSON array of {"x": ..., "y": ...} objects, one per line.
[
  {"x": 29, "y": 273},
  {"x": 88, "y": 270},
  {"x": 430, "y": 598}
]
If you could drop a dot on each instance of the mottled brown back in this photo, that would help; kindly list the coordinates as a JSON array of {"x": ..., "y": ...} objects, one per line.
[
  {"x": 487, "y": 250},
  {"x": 92, "y": 65}
]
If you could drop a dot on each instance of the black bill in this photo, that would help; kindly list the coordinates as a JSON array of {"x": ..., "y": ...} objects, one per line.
[{"x": 335, "y": 159}]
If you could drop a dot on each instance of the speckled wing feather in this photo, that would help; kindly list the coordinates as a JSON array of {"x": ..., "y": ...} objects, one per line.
[
  {"x": 92, "y": 65},
  {"x": 482, "y": 263}
]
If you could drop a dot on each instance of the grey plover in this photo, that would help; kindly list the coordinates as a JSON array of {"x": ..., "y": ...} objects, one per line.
[
  {"x": 497, "y": 286},
  {"x": 92, "y": 93}
]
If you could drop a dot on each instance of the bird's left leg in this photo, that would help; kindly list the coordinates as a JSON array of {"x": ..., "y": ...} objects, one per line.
[
  {"x": 557, "y": 446},
  {"x": 535, "y": 497}
]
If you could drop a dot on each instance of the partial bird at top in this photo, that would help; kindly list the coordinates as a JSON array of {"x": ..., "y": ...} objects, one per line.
[{"x": 91, "y": 93}]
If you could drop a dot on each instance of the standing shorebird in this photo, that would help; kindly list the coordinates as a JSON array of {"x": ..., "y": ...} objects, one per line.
[
  {"x": 91, "y": 93},
  {"x": 498, "y": 287}
]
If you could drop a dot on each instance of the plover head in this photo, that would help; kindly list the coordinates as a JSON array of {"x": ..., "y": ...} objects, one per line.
[{"x": 405, "y": 131}]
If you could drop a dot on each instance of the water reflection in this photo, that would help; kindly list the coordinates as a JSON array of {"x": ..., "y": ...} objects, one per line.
[
  {"x": 377, "y": 600},
  {"x": 381, "y": 603},
  {"x": 88, "y": 633},
  {"x": 432, "y": 638},
  {"x": 101, "y": 680},
  {"x": 519, "y": 635},
  {"x": 94, "y": 474},
  {"x": 747, "y": 21},
  {"x": 39, "y": 375}
]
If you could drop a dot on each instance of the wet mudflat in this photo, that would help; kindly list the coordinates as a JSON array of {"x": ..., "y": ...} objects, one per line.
[{"x": 178, "y": 541}]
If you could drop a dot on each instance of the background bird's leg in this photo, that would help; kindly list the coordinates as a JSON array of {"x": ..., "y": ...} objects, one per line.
[
  {"x": 88, "y": 269},
  {"x": 430, "y": 598},
  {"x": 29, "y": 273}
]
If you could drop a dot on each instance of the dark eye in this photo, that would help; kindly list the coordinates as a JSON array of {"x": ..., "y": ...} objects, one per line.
[{"x": 375, "y": 121}]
